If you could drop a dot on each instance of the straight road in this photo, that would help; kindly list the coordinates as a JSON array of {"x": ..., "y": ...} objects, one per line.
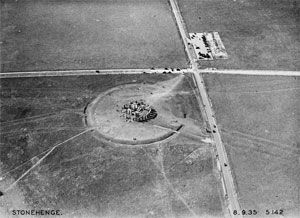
[
  {"x": 141, "y": 71},
  {"x": 91, "y": 72},
  {"x": 253, "y": 72},
  {"x": 233, "y": 203}
]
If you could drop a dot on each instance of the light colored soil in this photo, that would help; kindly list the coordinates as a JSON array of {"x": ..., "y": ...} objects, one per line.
[{"x": 11, "y": 200}]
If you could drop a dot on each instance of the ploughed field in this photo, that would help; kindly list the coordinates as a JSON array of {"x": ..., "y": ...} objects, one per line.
[
  {"x": 261, "y": 34},
  {"x": 91, "y": 177},
  {"x": 259, "y": 121},
  {"x": 90, "y": 34}
]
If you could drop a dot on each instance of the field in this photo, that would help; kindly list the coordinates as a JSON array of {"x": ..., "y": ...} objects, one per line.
[
  {"x": 261, "y": 34},
  {"x": 90, "y": 34},
  {"x": 90, "y": 177},
  {"x": 259, "y": 120}
]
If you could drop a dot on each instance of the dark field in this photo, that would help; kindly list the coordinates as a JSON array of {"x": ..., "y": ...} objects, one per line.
[
  {"x": 90, "y": 34},
  {"x": 87, "y": 177},
  {"x": 260, "y": 34},
  {"x": 259, "y": 119}
]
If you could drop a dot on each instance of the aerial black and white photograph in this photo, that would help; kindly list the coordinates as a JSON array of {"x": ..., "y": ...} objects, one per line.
[{"x": 150, "y": 108}]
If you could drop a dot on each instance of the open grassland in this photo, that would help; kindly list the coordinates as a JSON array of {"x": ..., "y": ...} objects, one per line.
[
  {"x": 90, "y": 34},
  {"x": 259, "y": 120},
  {"x": 260, "y": 34},
  {"x": 88, "y": 177}
]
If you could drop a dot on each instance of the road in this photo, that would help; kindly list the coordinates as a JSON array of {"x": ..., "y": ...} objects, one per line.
[
  {"x": 253, "y": 72},
  {"x": 233, "y": 203},
  {"x": 141, "y": 71},
  {"x": 91, "y": 72}
]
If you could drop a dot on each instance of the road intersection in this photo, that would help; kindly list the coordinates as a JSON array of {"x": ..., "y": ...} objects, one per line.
[
  {"x": 226, "y": 172},
  {"x": 233, "y": 204},
  {"x": 144, "y": 71}
]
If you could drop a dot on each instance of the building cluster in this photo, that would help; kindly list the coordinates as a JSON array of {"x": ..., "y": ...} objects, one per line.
[{"x": 138, "y": 111}]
